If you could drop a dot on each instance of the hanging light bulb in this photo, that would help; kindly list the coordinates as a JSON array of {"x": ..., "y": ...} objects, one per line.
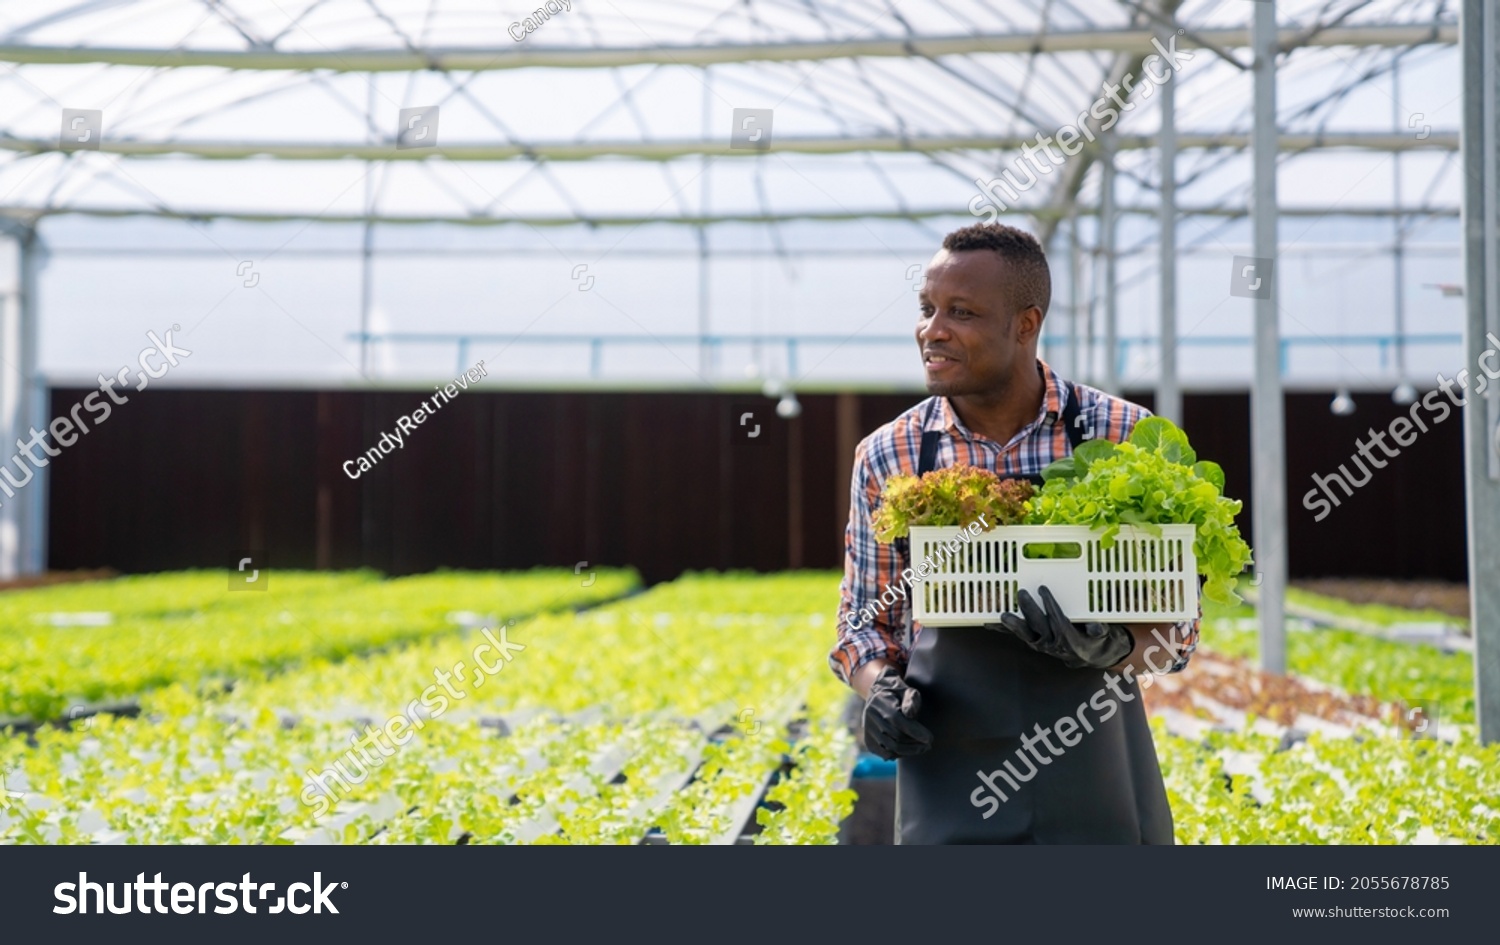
[
  {"x": 1404, "y": 393},
  {"x": 773, "y": 387},
  {"x": 788, "y": 407},
  {"x": 1343, "y": 404}
]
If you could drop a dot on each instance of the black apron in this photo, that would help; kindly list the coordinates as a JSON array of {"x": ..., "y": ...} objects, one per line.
[{"x": 983, "y": 691}]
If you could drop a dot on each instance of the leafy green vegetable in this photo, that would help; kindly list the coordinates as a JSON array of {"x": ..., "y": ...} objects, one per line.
[
  {"x": 1210, "y": 471},
  {"x": 814, "y": 798},
  {"x": 1152, "y": 479},
  {"x": 745, "y": 652},
  {"x": 634, "y": 688},
  {"x": 188, "y": 628},
  {"x": 955, "y": 495},
  {"x": 1383, "y": 614},
  {"x": 1346, "y": 791}
]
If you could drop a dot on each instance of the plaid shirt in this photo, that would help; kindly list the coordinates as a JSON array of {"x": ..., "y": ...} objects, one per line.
[{"x": 870, "y": 567}]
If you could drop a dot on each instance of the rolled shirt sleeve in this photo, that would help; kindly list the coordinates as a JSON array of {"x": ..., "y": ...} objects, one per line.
[
  {"x": 872, "y": 615},
  {"x": 1185, "y": 655},
  {"x": 1188, "y": 632}
]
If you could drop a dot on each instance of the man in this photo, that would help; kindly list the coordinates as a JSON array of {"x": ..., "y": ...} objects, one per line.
[{"x": 964, "y": 709}]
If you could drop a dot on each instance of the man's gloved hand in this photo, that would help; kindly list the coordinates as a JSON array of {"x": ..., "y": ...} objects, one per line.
[
  {"x": 1091, "y": 646},
  {"x": 890, "y": 726}
]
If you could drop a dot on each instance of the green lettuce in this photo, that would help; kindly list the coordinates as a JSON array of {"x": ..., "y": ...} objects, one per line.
[{"x": 1154, "y": 478}]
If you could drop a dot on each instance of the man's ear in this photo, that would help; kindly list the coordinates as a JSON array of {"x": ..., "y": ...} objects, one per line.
[{"x": 1028, "y": 325}]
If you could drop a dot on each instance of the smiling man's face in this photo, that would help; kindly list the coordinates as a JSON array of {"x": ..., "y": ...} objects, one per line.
[{"x": 972, "y": 338}]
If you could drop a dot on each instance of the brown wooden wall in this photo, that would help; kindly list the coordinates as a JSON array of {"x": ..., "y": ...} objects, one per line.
[{"x": 662, "y": 481}]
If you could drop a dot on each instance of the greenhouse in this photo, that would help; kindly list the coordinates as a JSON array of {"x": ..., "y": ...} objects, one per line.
[{"x": 446, "y": 416}]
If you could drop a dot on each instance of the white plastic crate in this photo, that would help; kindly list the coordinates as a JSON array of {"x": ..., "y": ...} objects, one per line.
[{"x": 1141, "y": 578}]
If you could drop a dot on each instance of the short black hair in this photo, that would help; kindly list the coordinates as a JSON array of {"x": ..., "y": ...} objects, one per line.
[{"x": 1030, "y": 280}]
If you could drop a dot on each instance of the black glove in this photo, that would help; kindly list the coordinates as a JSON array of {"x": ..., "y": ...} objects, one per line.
[
  {"x": 890, "y": 726},
  {"x": 1091, "y": 646}
]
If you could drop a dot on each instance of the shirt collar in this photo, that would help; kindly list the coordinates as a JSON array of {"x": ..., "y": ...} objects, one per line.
[{"x": 1050, "y": 411}]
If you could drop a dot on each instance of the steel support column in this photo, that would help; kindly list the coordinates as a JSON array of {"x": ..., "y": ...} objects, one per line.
[
  {"x": 1480, "y": 38},
  {"x": 1267, "y": 422},
  {"x": 1109, "y": 378},
  {"x": 1168, "y": 392},
  {"x": 23, "y": 408}
]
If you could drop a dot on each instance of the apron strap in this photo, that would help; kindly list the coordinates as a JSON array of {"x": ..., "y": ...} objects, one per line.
[
  {"x": 1070, "y": 416},
  {"x": 927, "y": 461}
]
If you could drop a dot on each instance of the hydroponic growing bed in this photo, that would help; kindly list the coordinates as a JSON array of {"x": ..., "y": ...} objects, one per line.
[{"x": 701, "y": 711}]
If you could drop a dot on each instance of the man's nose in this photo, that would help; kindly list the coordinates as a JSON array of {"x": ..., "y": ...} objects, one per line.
[{"x": 935, "y": 328}]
